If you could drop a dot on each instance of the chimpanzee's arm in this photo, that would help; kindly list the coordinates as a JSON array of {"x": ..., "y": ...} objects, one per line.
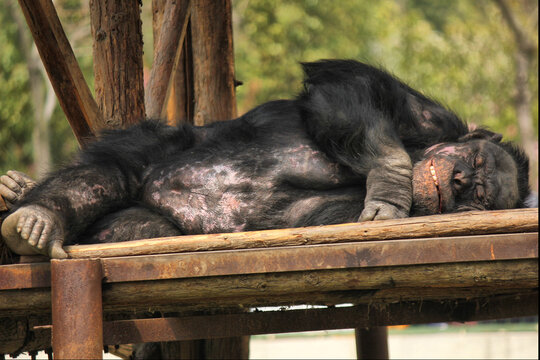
[
  {"x": 107, "y": 176},
  {"x": 352, "y": 115}
]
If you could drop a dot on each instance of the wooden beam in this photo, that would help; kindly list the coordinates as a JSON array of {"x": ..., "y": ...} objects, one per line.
[
  {"x": 118, "y": 61},
  {"x": 371, "y": 285},
  {"x": 213, "y": 61},
  {"x": 64, "y": 73},
  {"x": 271, "y": 322},
  {"x": 459, "y": 224},
  {"x": 274, "y": 322},
  {"x": 172, "y": 33}
]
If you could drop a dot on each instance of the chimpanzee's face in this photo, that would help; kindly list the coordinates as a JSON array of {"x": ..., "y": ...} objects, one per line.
[{"x": 475, "y": 175}]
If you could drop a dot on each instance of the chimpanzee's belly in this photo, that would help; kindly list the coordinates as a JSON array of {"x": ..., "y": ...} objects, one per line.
[{"x": 231, "y": 190}]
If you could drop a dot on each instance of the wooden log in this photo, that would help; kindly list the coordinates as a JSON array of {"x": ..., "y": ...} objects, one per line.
[
  {"x": 118, "y": 62},
  {"x": 459, "y": 224},
  {"x": 377, "y": 285},
  {"x": 173, "y": 30},
  {"x": 273, "y": 322},
  {"x": 213, "y": 61},
  {"x": 178, "y": 105},
  {"x": 158, "y": 9},
  {"x": 64, "y": 73},
  {"x": 17, "y": 331}
]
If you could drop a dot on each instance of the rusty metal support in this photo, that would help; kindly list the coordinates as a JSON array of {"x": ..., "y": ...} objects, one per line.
[
  {"x": 77, "y": 314},
  {"x": 372, "y": 343}
]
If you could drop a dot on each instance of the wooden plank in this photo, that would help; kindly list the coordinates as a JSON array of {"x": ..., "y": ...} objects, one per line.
[
  {"x": 173, "y": 30},
  {"x": 459, "y": 224},
  {"x": 118, "y": 61},
  {"x": 213, "y": 61},
  {"x": 274, "y": 322},
  {"x": 64, "y": 73}
]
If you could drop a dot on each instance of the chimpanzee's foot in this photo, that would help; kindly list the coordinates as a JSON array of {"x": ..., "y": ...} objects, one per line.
[{"x": 34, "y": 230}]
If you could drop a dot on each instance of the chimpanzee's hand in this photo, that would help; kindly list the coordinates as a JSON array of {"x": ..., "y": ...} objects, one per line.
[
  {"x": 34, "y": 230},
  {"x": 14, "y": 185},
  {"x": 379, "y": 210},
  {"x": 389, "y": 187}
]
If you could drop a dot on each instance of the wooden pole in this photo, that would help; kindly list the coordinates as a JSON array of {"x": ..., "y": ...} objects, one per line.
[
  {"x": 459, "y": 224},
  {"x": 372, "y": 343},
  {"x": 118, "y": 62},
  {"x": 173, "y": 30},
  {"x": 213, "y": 61},
  {"x": 64, "y": 73}
]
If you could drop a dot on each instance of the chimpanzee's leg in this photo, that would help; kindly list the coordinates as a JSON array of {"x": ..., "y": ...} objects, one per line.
[{"x": 133, "y": 223}]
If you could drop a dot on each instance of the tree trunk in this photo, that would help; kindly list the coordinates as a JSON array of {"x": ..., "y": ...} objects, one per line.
[
  {"x": 213, "y": 61},
  {"x": 118, "y": 63},
  {"x": 42, "y": 94},
  {"x": 525, "y": 52}
]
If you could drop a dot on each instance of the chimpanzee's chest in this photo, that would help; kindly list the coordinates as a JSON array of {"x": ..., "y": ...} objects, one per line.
[{"x": 239, "y": 188}]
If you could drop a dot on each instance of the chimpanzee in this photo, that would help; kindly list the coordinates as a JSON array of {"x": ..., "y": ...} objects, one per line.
[{"x": 357, "y": 144}]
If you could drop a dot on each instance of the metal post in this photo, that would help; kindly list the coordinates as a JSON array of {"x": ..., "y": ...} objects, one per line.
[
  {"x": 77, "y": 314},
  {"x": 372, "y": 343}
]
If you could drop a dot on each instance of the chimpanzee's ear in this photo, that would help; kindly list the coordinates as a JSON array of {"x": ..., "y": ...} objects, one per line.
[{"x": 480, "y": 133}]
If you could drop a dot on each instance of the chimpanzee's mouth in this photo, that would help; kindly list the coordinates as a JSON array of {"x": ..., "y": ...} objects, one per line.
[{"x": 436, "y": 182}]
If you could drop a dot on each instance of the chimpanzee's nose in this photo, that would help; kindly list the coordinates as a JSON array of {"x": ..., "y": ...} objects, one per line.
[{"x": 462, "y": 178}]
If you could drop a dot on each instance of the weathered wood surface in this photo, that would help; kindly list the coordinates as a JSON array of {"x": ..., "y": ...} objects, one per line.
[
  {"x": 64, "y": 73},
  {"x": 237, "y": 324},
  {"x": 213, "y": 61},
  {"x": 296, "y": 258},
  {"x": 372, "y": 285},
  {"x": 179, "y": 101},
  {"x": 118, "y": 61},
  {"x": 264, "y": 322},
  {"x": 459, "y": 224},
  {"x": 173, "y": 30}
]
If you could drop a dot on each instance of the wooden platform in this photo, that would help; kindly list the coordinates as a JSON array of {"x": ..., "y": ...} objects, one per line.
[{"x": 459, "y": 267}]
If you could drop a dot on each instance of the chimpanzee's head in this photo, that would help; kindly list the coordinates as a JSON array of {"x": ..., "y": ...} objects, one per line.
[{"x": 479, "y": 172}]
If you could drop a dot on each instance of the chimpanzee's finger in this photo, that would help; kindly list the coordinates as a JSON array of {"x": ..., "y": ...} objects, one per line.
[
  {"x": 37, "y": 234},
  {"x": 17, "y": 177},
  {"x": 368, "y": 214},
  {"x": 7, "y": 193},
  {"x": 10, "y": 183},
  {"x": 28, "y": 226},
  {"x": 45, "y": 235},
  {"x": 21, "y": 221}
]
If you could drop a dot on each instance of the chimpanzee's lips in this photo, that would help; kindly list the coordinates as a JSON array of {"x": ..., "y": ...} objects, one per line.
[{"x": 436, "y": 182}]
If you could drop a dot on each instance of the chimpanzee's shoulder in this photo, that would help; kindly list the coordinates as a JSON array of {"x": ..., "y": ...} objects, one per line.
[{"x": 329, "y": 71}]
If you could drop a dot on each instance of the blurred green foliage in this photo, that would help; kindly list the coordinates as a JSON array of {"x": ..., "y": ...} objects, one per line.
[
  {"x": 458, "y": 51},
  {"x": 461, "y": 52},
  {"x": 15, "y": 110}
]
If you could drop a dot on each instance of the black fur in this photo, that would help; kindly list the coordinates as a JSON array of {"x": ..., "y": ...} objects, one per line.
[{"x": 342, "y": 149}]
